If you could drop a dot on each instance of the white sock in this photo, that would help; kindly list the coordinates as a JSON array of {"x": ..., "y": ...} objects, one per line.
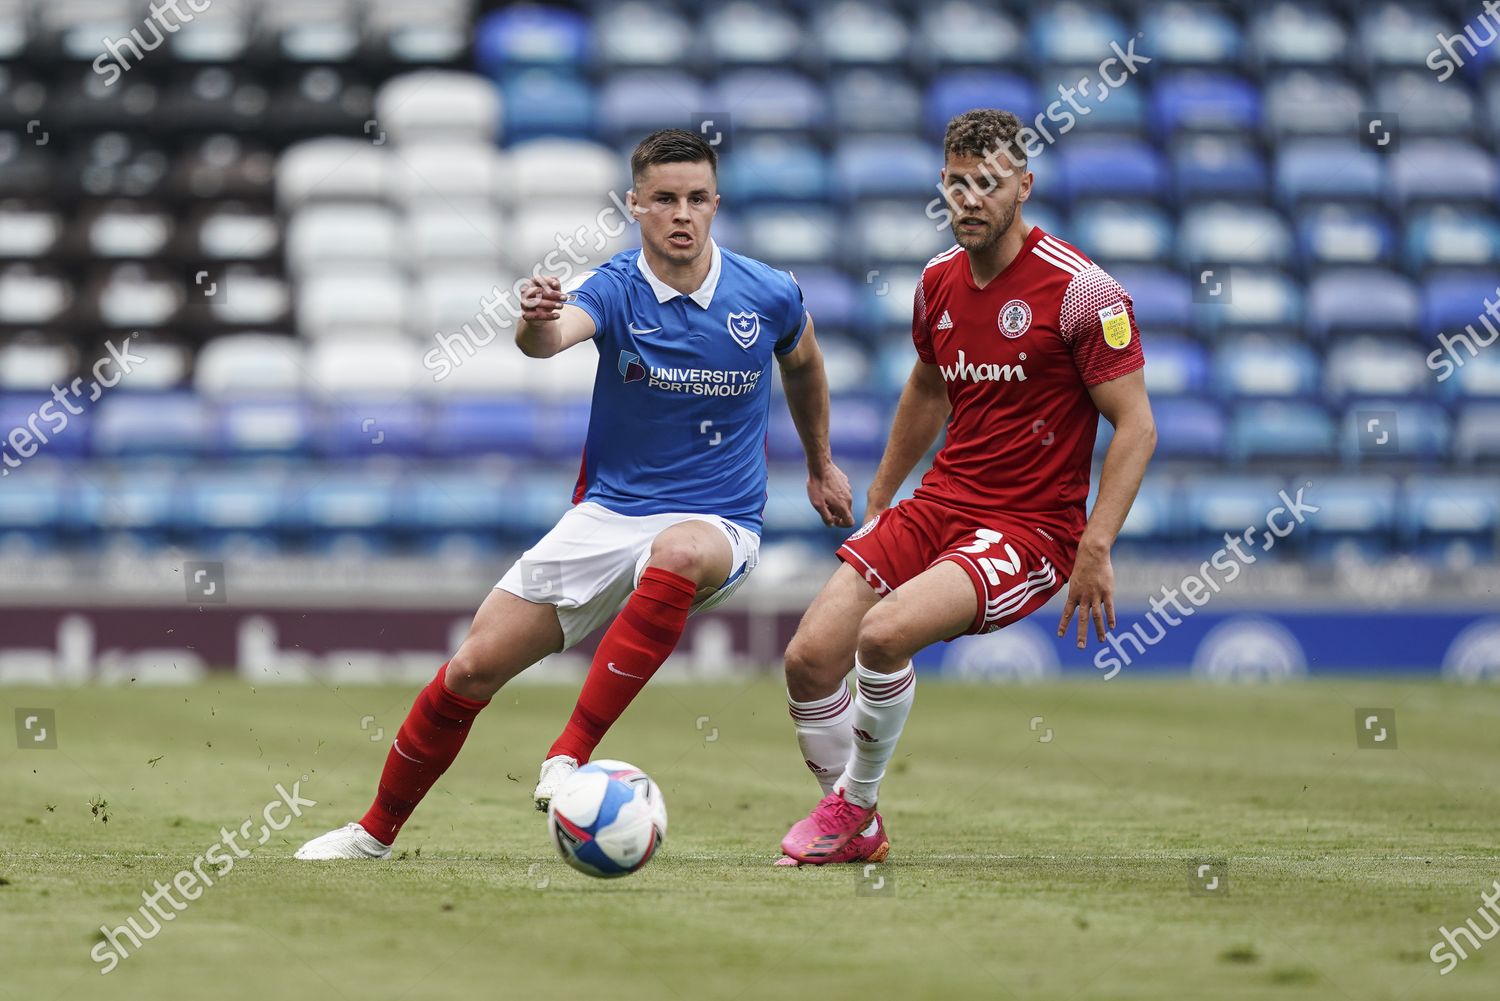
[
  {"x": 825, "y": 733},
  {"x": 880, "y": 711}
]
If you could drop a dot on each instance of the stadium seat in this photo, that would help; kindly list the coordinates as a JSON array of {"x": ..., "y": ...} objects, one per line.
[
  {"x": 1258, "y": 366},
  {"x": 1362, "y": 300},
  {"x": 35, "y": 363},
  {"x": 455, "y": 233},
  {"x": 773, "y": 168},
  {"x": 1450, "y": 517},
  {"x": 867, "y": 100},
  {"x": 279, "y": 425},
  {"x": 751, "y": 34},
  {"x": 1451, "y": 300},
  {"x": 1442, "y": 170},
  {"x": 1370, "y": 367},
  {"x": 1227, "y": 232},
  {"x": 1179, "y": 367},
  {"x": 856, "y": 33},
  {"x": 249, "y": 364},
  {"x": 770, "y": 101},
  {"x": 955, "y": 33},
  {"x": 954, "y": 92},
  {"x": 1478, "y": 434},
  {"x": 541, "y": 102},
  {"x": 437, "y": 105},
  {"x": 1334, "y": 233},
  {"x": 531, "y": 35},
  {"x": 1259, "y": 299},
  {"x": 354, "y": 366},
  {"x": 1356, "y": 515},
  {"x": 636, "y": 35},
  {"x": 1113, "y": 231},
  {"x": 1280, "y": 431},
  {"x": 889, "y": 232},
  {"x": 634, "y": 103},
  {"x": 353, "y": 301},
  {"x": 145, "y": 424},
  {"x": 831, "y": 299},
  {"x": 1445, "y": 110},
  {"x": 877, "y": 167},
  {"x": 1191, "y": 35},
  {"x": 1190, "y": 429},
  {"x": 1478, "y": 378},
  {"x": 466, "y": 170},
  {"x": 563, "y": 169},
  {"x": 351, "y": 234},
  {"x": 331, "y": 169},
  {"x": 244, "y": 507},
  {"x": 1073, "y": 33},
  {"x": 1326, "y": 169},
  {"x": 1305, "y": 102},
  {"x": 1394, "y": 36},
  {"x": 1212, "y": 165},
  {"x": 1200, "y": 101},
  {"x": 1216, "y": 505},
  {"x": 792, "y": 236},
  {"x": 1444, "y": 236},
  {"x": 1422, "y": 432},
  {"x": 1097, "y": 166},
  {"x": 1163, "y": 299},
  {"x": 1288, "y": 34}
]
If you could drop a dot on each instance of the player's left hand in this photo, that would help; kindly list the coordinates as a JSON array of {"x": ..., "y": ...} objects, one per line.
[
  {"x": 1091, "y": 593},
  {"x": 831, "y": 496}
]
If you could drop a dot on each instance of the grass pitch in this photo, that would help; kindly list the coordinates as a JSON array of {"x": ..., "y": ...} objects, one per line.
[{"x": 1046, "y": 843}]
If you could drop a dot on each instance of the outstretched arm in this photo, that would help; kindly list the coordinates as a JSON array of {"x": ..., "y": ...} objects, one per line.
[
  {"x": 1091, "y": 589},
  {"x": 806, "y": 385},
  {"x": 548, "y": 323},
  {"x": 920, "y": 417}
]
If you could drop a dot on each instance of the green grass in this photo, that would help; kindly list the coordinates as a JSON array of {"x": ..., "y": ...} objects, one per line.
[{"x": 1020, "y": 869}]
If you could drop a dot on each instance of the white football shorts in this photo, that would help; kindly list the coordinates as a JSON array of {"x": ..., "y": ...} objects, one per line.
[{"x": 591, "y": 561}]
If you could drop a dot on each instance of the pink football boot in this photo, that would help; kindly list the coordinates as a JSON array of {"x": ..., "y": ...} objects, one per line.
[
  {"x": 824, "y": 834},
  {"x": 873, "y": 847}
]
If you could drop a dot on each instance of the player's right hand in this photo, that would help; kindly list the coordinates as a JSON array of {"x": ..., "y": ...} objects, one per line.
[{"x": 542, "y": 298}]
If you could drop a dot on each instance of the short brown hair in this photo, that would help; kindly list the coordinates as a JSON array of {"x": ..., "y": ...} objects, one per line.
[
  {"x": 987, "y": 133},
  {"x": 671, "y": 146}
]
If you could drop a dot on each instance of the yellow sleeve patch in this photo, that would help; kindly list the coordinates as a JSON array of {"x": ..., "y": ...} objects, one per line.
[{"x": 1116, "y": 323}]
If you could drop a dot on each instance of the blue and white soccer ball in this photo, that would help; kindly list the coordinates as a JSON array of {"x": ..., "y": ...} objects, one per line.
[{"x": 607, "y": 819}]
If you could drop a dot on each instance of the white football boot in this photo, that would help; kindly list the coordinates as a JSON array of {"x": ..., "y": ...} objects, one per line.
[
  {"x": 349, "y": 841},
  {"x": 554, "y": 771}
]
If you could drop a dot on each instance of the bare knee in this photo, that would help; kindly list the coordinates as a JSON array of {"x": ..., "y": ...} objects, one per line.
[
  {"x": 883, "y": 644},
  {"x": 682, "y": 557},
  {"x": 812, "y": 673},
  {"x": 476, "y": 670}
]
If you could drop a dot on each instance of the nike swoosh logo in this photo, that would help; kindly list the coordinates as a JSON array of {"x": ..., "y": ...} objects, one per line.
[
  {"x": 623, "y": 674},
  {"x": 641, "y": 330}
]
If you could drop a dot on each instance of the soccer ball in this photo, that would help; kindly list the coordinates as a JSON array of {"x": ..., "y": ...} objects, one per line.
[{"x": 607, "y": 819}]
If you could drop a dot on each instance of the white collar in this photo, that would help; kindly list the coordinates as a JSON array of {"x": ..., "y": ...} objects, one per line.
[{"x": 703, "y": 295}]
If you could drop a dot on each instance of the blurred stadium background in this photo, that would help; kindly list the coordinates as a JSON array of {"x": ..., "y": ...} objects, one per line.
[{"x": 296, "y": 214}]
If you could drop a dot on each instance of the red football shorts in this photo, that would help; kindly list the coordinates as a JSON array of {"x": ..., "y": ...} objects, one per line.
[{"x": 1015, "y": 567}]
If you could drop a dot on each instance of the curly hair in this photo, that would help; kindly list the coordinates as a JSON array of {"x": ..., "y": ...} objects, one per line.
[{"x": 986, "y": 133}]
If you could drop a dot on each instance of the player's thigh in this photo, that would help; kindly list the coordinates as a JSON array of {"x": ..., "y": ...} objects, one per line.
[
  {"x": 697, "y": 550},
  {"x": 507, "y": 636},
  {"x": 937, "y": 604},
  {"x": 822, "y": 651}
]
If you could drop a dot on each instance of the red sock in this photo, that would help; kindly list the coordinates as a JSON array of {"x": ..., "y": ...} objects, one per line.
[
  {"x": 424, "y": 747},
  {"x": 634, "y": 646}
]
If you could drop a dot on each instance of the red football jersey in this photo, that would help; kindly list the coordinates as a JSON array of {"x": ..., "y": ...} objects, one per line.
[{"x": 1018, "y": 357}]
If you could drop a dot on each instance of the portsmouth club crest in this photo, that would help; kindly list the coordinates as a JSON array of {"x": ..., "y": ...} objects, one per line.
[
  {"x": 631, "y": 369},
  {"x": 1015, "y": 318},
  {"x": 744, "y": 328}
]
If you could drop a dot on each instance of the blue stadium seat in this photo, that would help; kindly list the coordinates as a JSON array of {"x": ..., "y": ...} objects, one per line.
[
  {"x": 1189, "y": 429},
  {"x": 1198, "y": 101},
  {"x": 361, "y": 428},
  {"x": 271, "y": 426},
  {"x": 1281, "y": 430},
  {"x": 462, "y": 428},
  {"x": 1163, "y": 300},
  {"x": 1216, "y": 505},
  {"x": 1124, "y": 110},
  {"x": 878, "y": 166},
  {"x": 632, "y": 104},
  {"x": 345, "y": 510},
  {"x": 172, "y": 423},
  {"x": 1260, "y": 366},
  {"x": 967, "y": 33},
  {"x": 955, "y": 92},
  {"x": 891, "y": 233},
  {"x": 642, "y": 35},
  {"x": 535, "y": 503},
  {"x": 32, "y": 502},
  {"x": 1392, "y": 36},
  {"x": 1326, "y": 169},
  {"x": 1234, "y": 233},
  {"x": 855, "y": 33},
  {"x": 1437, "y": 109},
  {"x": 792, "y": 236},
  {"x": 21, "y": 410},
  {"x": 531, "y": 35},
  {"x": 751, "y": 34},
  {"x": 1479, "y": 376},
  {"x": 1453, "y": 299},
  {"x": 1179, "y": 367},
  {"x": 1362, "y": 300},
  {"x": 468, "y": 504},
  {"x": 1443, "y": 170},
  {"x": 1334, "y": 233},
  {"x": 1072, "y": 33},
  {"x": 1478, "y": 435},
  {"x": 561, "y": 430},
  {"x": 1209, "y": 165},
  {"x": 1120, "y": 166},
  {"x": 245, "y": 506},
  {"x": 1444, "y": 236},
  {"x": 766, "y": 168},
  {"x": 1356, "y": 515},
  {"x": 1371, "y": 367},
  {"x": 1288, "y": 34},
  {"x": 858, "y": 428},
  {"x": 547, "y": 103},
  {"x": 770, "y": 101},
  {"x": 1190, "y": 35},
  {"x": 1448, "y": 517},
  {"x": 831, "y": 298},
  {"x": 1303, "y": 103},
  {"x": 1137, "y": 232},
  {"x": 1155, "y": 519},
  {"x": 865, "y": 100},
  {"x": 1259, "y": 299},
  {"x": 1423, "y": 431},
  {"x": 141, "y": 505}
]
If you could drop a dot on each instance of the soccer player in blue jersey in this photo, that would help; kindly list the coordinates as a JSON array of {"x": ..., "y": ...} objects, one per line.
[{"x": 667, "y": 513}]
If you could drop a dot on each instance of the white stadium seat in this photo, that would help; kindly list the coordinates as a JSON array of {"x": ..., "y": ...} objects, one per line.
[
  {"x": 332, "y": 169},
  {"x": 438, "y": 103},
  {"x": 250, "y": 363}
]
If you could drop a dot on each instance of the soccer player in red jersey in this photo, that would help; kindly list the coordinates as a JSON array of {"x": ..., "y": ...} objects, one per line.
[{"x": 1022, "y": 343}]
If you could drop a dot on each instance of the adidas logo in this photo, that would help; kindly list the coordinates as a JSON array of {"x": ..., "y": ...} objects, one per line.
[{"x": 945, "y": 322}]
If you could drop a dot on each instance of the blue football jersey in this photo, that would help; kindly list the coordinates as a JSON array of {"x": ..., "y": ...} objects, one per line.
[{"x": 682, "y": 394}]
